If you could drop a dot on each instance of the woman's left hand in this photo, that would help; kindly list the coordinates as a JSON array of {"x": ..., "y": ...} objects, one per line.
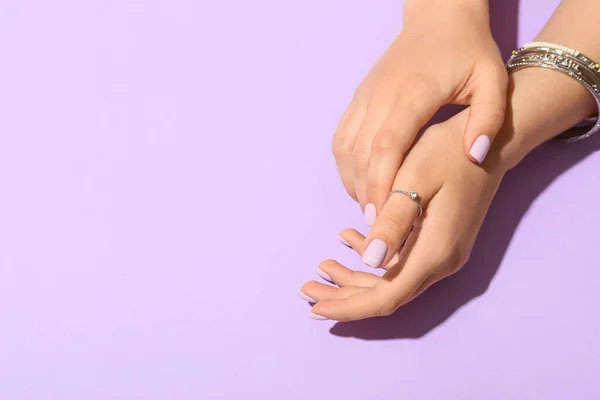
[{"x": 455, "y": 194}]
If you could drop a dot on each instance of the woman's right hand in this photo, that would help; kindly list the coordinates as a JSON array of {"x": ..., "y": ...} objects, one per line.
[{"x": 444, "y": 55}]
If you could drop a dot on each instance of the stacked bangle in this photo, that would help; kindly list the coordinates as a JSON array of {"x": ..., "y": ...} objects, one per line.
[{"x": 569, "y": 62}]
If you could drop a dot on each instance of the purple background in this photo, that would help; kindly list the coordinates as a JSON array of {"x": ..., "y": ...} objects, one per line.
[{"x": 167, "y": 186}]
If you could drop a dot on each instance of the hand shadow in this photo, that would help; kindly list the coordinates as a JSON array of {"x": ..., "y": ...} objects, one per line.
[{"x": 519, "y": 189}]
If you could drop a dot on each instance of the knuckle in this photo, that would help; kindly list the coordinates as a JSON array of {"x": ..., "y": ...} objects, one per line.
[
  {"x": 454, "y": 266},
  {"x": 384, "y": 142},
  {"x": 341, "y": 146},
  {"x": 463, "y": 257},
  {"x": 443, "y": 255},
  {"x": 388, "y": 302},
  {"x": 453, "y": 257},
  {"x": 387, "y": 308}
]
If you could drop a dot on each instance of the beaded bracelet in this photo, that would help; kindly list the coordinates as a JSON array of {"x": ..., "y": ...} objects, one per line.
[{"x": 570, "y": 62}]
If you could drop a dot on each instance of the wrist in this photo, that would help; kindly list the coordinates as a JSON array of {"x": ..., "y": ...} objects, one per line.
[{"x": 541, "y": 104}]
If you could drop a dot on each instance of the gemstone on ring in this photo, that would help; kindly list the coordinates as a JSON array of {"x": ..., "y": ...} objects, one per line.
[{"x": 413, "y": 195}]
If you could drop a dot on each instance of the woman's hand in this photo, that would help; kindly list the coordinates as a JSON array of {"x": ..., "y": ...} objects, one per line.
[
  {"x": 445, "y": 54},
  {"x": 455, "y": 194}
]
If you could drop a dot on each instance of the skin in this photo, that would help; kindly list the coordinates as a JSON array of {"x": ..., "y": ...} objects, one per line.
[
  {"x": 442, "y": 238},
  {"x": 453, "y": 60}
]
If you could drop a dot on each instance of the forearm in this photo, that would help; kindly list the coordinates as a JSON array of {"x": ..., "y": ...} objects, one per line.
[
  {"x": 427, "y": 9},
  {"x": 543, "y": 103}
]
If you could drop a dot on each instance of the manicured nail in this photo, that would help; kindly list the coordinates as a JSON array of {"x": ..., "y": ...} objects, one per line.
[
  {"x": 344, "y": 242},
  {"x": 480, "y": 148},
  {"x": 305, "y": 297},
  {"x": 375, "y": 253},
  {"x": 323, "y": 275},
  {"x": 370, "y": 214},
  {"x": 317, "y": 317}
]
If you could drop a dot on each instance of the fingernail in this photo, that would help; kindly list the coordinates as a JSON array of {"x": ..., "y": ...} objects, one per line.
[
  {"x": 305, "y": 297},
  {"x": 370, "y": 214},
  {"x": 375, "y": 253},
  {"x": 323, "y": 275},
  {"x": 480, "y": 148},
  {"x": 317, "y": 317},
  {"x": 344, "y": 242}
]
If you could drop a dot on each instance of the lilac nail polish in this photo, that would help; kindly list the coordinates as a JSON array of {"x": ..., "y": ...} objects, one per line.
[
  {"x": 370, "y": 214},
  {"x": 317, "y": 317},
  {"x": 323, "y": 275},
  {"x": 480, "y": 148},
  {"x": 375, "y": 253},
  {"x": 344, "y": 242},
  {"x": 305, "y": 297}
]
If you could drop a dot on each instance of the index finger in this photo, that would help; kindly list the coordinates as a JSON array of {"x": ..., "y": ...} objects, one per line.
[{"x": 393, "y": 140}]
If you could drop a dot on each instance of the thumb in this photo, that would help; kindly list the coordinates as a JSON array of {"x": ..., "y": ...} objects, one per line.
[{"x": 486, "y": 115}]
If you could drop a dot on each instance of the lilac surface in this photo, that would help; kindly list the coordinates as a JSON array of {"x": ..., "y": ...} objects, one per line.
[{"x": 167, "y": 186}]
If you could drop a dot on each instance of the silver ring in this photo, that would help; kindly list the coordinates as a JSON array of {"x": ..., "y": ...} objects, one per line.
[{"x": 413, "y": 195}]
